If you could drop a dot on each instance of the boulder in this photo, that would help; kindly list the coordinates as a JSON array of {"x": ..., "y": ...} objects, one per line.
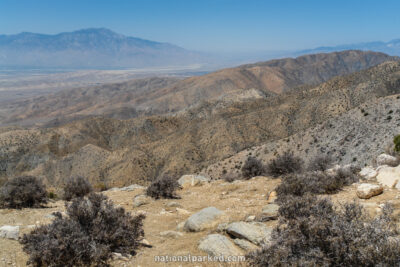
[
  {"x": 257, "y": 233},
  {"x": 368, "y": 173},
  {"x": 366, "y": 191},
  {"x": 141, "y": 200},
  {"x": 171, "y": 234},
  {"x": 218, "y": 245},
  {"x": 388, "y": 176},
  {"x": 385, "y": 159},
  {"x": 206, "y": 218},
  {"x": 10, "y": 232},
  {"x": 245, "y": 245},
  {"x": 270, "y": 212},
  {"x": 192, "y": 180}
]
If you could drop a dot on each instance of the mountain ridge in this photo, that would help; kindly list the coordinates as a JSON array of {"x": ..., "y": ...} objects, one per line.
[{"x": 92, "y": 47}]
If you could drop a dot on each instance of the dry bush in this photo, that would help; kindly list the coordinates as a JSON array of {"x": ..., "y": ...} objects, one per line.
[
  {"x": 163, "y": 187},
  {"x": 252, "y": 167},
  {"x": 93, "y": 229},
  {"x": 23, "y": 192},
  {"x": 312, "y": 232},
  {"x": 320, "y": 163},
  {"x": 76, "y": 187},
  {"x": 298, "y": 184},
  {"x": 284, "y": 164},
  {"x": 230, "y": 177}
]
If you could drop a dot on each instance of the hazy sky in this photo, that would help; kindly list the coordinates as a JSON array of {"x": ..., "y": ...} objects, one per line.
[{"x": 214, "y": 25}]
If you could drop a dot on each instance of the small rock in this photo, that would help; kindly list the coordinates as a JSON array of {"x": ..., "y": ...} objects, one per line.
[
  {"x": 270, "y": 212},
  {"x": 206, "y": 218},
  {"x": 385, "y": 159},
  {"x": 245, "y": 245},
  {"x": 126, "y": 188},
  {"x": 388, "y": 176},
  {"x": 366, "y": 191},
  {"x": 250, "y": 218},
  {"x": 192, "y": 180},
  {"x": 141, "y": 200},
  {"x": 10, "y": 232},
  {"x": 182, "y": 211},
  {"x": 218, "y": 245},
  {"x": 174, "y": 204},
  {"x": 180, "y": 226},
  {"x": 257, "y": 233},
  {"x": 171, "y": 234},
  {"x": 272, "y": 197},
  {"x": 145, "y": 243},
  {"x": 222, "y": 227},
  {"x": 119, "y": 256},
  {"x": 368, "y": 173}
]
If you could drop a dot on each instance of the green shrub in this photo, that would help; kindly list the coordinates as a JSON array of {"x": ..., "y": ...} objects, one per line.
[
  {"x": 396, "y": 142},
  {"x": 23, "y": 192},
  {"x": 313, "y": 232},
  {"x": 92, "y": 231}
]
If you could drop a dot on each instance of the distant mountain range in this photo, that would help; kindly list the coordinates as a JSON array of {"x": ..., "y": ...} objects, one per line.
[
  {"x": 390, "y": 48},
  {"x": 90, "y": 48}
]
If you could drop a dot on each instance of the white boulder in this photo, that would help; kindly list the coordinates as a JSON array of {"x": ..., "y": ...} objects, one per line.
[
  {"x": 366, "y": 191},
  {"x": 385, "y": 159},
  {"x": 368, "y": 173},
  {"x": 10, "y": 232},
  {"x": 389, "y": 176},
  {"x": 192, "y": 180}
]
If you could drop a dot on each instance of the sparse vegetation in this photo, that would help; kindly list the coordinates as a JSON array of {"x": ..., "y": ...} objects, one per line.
[
  {"x": 284, "y": 164},
  {"x": 312, "y": 232},
  {"x": 320, "y": 163},
  {"x": 23, "y": 192},
  {"x": 93, "y": 229},
  {"x": 396, "y": 142},
  {"x": 252, "y": 167},
  {"x": 76, "y": 187},
  {"x": 163, "y": 187},
  {"x": 230, "y": 177},
  {"x": 316, "y": 182}
]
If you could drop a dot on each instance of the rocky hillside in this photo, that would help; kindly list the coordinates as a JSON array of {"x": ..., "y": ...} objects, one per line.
[
  {"x": 160, "y": 96},
  {"x": 116, "y": 152}
]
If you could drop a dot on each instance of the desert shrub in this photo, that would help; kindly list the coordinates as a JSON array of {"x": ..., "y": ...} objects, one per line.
[
  {"x": 23, "y": 192},
  {"x": 163, "y": 187},
  {"x": 230, "y": 177},
  {"x": 396, "y": 141},
  {"x": 76, "y": 187},
  {"x": 284, "y": 164},
  {"x": 317, "y": 182},
  {"x": 87, "y": 236},
  {"x": 320, "y": 163},
  {"x": 313, "y": 232},
  {"x": 252, "y": 167}
]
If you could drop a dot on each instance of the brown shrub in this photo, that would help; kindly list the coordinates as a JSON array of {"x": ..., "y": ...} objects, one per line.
[
  {"x": 163, "y": 187},
  {"x": 284, "y": 164},
  {"x": 76, "y": 187},
  {"x": 93, "y": 230},
  {"x": 23, "y": 192},
  {"x": 312, "y": 232},
  {"x": 252, "y": 167}
]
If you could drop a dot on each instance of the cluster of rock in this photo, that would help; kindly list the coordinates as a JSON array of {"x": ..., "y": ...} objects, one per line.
[{"x": 386, "y": 174}]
